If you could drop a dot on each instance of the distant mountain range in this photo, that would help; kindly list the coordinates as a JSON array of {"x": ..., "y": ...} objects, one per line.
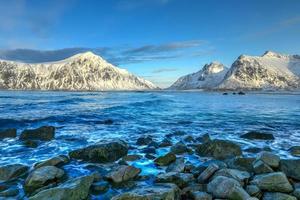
[
  {"x": 269, "y": 71},
  {"x": 84, "y": 71},
  {"x": 87, "y": 71}
]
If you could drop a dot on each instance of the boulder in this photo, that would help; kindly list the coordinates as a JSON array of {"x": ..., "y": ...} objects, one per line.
[
  {"x": 8, "y": 133},
  {"x": 188, "y": 138},
  {"x": 144, "y": 140},
  {"x": 254, "y": 191},
  {"x": 241, "y": 176},
  {"x": 166, "y": 191},
  {"x": 241, "y": 163},
  {"x": 269, "y": 158},
  {"x": 101, "y": 153},
  {"x": 272, "y": 182},
  {"x": 12, "y": 171},
  {"x": 179, "y": 148},
  {"x": 200, "y": 168},
  {"x": 44, "y": 133},
  {"x": 296, "y": 192},
  {"x": 177, "y": 166},
  {"x": 219, "y": 149},
  {"x": 131, "y": 158},
  {"x": 198, "y": 195},
  {"x": 255, "y": 135},
  {"x": 291, "y": 168},
  {"x": 10, "y": 192},
  {"x": 227, "y": 188},
  {"x": 74, "y": 189},
  {"x": 295, "y": 151},
  {"x": 165, "y": 143},
  {"x": 57, "y": 161},
  {"x": 260, "y": 167},
  {"x": 99, "y": 187},
  {"x": 180, "y": 179},
  {"x": 165, "y": 159},
  {"x": 278, "y": 196},
  {"x": 31, "y": 143},
  {"x": 207, "y": 173},
  {"x": 204, "y": 138},
  {"x": 42, "y": 176},
  {"x": 123, "y": 173}
]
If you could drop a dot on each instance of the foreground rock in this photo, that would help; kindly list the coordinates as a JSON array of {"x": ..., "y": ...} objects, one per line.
[
  {"x": 9, "y": 172},
  {"x": 123, "y": 173},
  {"x": 166, "y": 191},
  {"x": 291, "y": 168},
  {"x": 8, "y": 133},
  {"x": 44, "y": 133},
  {"x": 227, "y": 188},
  {"x": 101, "y": 153},
  {"x": 219, "y": 149},
  {"x": 269, "y": 158},
  {"x": 42, "y": 177},
  {"x": 180, "y": 179},
  {"x": 272, "y": 182},
  {"x": 55, "y": 161},
  {"x": 255, "y": 135},
  {"x": 241, "y": 176},
  {"x": 75, "y": 189},
  {"x": 295, "y": 151},
  {"x": 177, "y": 166},
  {"x": 179, "y": 148},
  {"x": 165, "y": 159},
  {"x": 278, "y": 196}
]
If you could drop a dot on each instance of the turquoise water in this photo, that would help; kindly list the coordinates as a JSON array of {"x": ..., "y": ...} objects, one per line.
[{"x": 78, "y": 117}]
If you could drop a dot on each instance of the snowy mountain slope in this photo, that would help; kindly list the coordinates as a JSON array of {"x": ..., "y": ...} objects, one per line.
[
  {"x": 270, "y": 71},
  {"x": 210, "y": 76},
  {"x": 85, "y": 71}
]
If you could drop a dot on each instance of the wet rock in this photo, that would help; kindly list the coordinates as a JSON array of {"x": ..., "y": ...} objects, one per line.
[
  {"x": 165, "y": 143},
  {"x": 241, "y": 176},
  {"x": 179, "y": 148},
  {"x": 149, "y": 150},
  {"x": 123, "y": 173},
  {"x": 269, "y": 158},
  {"x": 254, "y": 191},
  {"x": 227, "y": 188},
  {"x": 291, "y": 168},
  {"x": 241, "y": 93},
  {"x": 57, "y": 161},
  {"x": 225, "y": 93},
  {"x": 272, "y": 182},
  {"x": 12, "y": 171},
  {"x": 131, "y": 157},
  {"x": 101, "y": 153},
  {"x": 153, "y": 144},
  {"x": 193, "y": 187},
  {"x": 10, "y": 192},
  {"x": 144, "y": 140},
  {"x": 44, "y": 133},
  {"x": 177, "y": 166},
  {"x": 108, "y": 122},
  {"x": 188, "y": 138},
  {"x": 296, "y": 192},
  {"x": 165, "y": 159},
  {"x": 42, "y": 177},
  {"x": 8, "y": 133},
  {"x": 201, "y": 196},
  {"x": 260, "y": 167},
  {"x": 75, "y": 189},
  {"x": 219, "y": 149},
  {"x": 166, "y": 191},
  {"x": 278, "y": 196},
  {"x": 207, "y": 173},
  {"x": 241, "y": 163},
  {"x": 180, "y": 179},
  {"x": 31, "y": 143},
  {"x": 100, "y": 187},
  {"x": 150, "y": 156},
  {"x": 204, "y": 138},
  {"x": 199, "y": 169},
  {"x": 255, "y": 135},
  {"x": 295, "y": 151}
]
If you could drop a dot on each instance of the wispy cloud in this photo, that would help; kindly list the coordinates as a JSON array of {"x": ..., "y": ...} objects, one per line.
[
  {"x": 116, "y": 55},
  {"x": 277, "y": 27},
  {"x": 162, "y": 70}
]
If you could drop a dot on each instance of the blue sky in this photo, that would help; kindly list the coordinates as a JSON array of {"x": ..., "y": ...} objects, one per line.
[{"x": 157, "y": 39}]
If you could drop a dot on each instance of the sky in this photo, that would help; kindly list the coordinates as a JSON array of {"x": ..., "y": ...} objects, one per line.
[{"x": 159, "y": 40}]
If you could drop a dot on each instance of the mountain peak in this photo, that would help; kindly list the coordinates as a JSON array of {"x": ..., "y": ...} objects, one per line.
[
  {"x": 87, "y": 55},
  {"x": 273, "y": 54},
  {"x": 213, "y": 67}
]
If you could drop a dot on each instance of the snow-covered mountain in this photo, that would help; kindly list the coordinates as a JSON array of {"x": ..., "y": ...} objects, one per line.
[
  {"x": 85, "y": 71},
  {"x": 209, "y": 77},
  {"x": 270, "y": 71}
]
